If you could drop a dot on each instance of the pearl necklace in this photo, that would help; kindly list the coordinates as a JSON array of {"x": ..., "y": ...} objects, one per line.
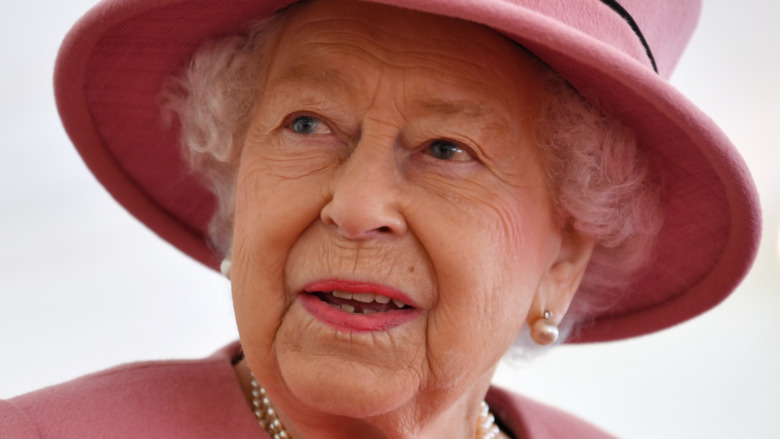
[{"x": 266, "y": 416}]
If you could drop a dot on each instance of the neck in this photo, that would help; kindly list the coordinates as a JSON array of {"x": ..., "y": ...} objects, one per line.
[{"x": 440, "y": 414}]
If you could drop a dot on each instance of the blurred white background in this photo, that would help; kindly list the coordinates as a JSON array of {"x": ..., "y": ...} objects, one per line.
[{"x": 83, "y": 286}]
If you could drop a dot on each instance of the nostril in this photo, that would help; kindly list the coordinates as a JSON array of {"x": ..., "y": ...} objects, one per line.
[{"x": 384, "y": 229}]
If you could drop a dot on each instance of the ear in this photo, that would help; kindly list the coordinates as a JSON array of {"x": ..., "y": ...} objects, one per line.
[{"x": 558, "y": 285}]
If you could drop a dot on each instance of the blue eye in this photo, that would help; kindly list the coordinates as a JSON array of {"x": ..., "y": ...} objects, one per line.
[
  {"x": 447, "y": 150},
  {"x": 305, "y": 125}
]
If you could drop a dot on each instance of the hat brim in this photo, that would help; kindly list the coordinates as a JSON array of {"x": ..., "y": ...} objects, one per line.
[{"x": 115, "y": 60}]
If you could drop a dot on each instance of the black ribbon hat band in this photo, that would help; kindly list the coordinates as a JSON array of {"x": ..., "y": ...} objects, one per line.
[{"x": 615, "y": 6}]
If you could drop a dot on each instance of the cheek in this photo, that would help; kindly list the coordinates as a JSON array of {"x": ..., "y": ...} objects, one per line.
[
  {"x": 278, "y": 196},
  {"x": 483, "y": 233}
]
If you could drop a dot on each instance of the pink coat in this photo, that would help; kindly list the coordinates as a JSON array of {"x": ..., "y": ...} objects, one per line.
[{"x": 201, "y": 399}]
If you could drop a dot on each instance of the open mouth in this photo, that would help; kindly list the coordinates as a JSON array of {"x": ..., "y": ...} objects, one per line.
[{"x": 359, "y": 303}]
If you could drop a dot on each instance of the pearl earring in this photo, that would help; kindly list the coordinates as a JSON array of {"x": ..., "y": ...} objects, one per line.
[
  {"x": 544, "y": 331},
  {"x": 224, "y": 267}
]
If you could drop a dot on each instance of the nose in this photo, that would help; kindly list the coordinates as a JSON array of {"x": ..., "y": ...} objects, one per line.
[{"x": 365, "y": 195}]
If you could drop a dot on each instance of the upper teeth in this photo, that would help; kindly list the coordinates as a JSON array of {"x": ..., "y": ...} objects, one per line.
[{"x": 367, "y": 297}]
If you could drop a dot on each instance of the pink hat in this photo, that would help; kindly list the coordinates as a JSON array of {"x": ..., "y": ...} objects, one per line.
[{"x": 112, "y": 65}]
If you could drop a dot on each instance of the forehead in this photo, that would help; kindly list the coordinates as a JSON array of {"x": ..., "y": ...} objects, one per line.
[{"x": 340, "y": 44}]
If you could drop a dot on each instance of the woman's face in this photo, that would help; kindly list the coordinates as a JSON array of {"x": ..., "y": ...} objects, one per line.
[{"x": 390, "y": 159}]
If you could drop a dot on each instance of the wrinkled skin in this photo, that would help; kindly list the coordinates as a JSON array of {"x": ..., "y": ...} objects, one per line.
[{"x": 395, "y": 148}]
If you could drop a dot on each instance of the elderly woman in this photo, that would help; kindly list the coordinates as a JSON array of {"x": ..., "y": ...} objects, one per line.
[{"x": 400, "y": 193}]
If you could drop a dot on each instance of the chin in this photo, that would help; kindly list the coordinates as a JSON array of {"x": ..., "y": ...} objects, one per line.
[{"x": 345, "y": 388}]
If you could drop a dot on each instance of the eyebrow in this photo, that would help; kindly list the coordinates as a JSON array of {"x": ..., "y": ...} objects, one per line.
[
  {"x": 327, "y": 78},
  {"x": 457, "y": 108}
]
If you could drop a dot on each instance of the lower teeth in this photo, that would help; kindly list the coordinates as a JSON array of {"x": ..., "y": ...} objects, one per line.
[
  {"x": 363, "y": 310},
  {"x": 351, "y": 309}
]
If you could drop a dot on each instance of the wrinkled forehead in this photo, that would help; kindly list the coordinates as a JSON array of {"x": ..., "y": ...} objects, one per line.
[
  {"x": 401, "y": 30},
  {"x": 338, "y": 43}
]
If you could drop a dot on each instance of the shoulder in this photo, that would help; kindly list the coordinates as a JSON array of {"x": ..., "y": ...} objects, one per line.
[
  {"x": 533, "y": 420},
  {"x": 15, "y": 423},
  {"x": 160, "y": 399}
]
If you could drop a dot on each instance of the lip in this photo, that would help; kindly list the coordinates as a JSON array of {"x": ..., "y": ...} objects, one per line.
[{"x": 346, "y": 322}]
